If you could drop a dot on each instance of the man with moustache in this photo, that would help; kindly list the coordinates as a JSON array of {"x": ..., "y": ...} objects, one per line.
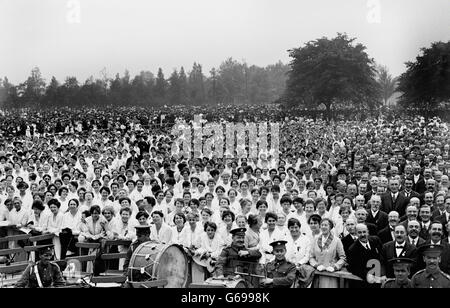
[
  {"x": 387, "y": 234},
  {"x": 439, "y": 208},
  {"x": 235, "y": 255},
  {"x": 366, "y": 248},
  {"x": 436, "y": 234},
  {"x": 361, "y": 217},
  {"x": 411, "y": 214},
  {"x": 399, "y": 248},
  {"x": 445, "y": 217},
  {"x": 413, "y": 233},
  {"x": 408, "y": 192},
  {"x": 432, "y": 276}
]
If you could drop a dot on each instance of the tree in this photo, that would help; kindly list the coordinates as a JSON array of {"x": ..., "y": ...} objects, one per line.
[
  {"x": 232, "y": 82},
  {"x": 332, "y": 71},
  {"x": 426, "y": 82},
  {"x": 142, "y": 88},
  {"x": 160, "y": 88},
  {"x": 196, "y": 85},
  {"x": 52, "y": 93},
  {"x": 277, "y": 75},
  {"x": 174, "y": 88},
  {"x": 9, "y": 96},
  {"x": 33, "y": 89},
  {"x": 70, "y": 92},
  {"x": 182, "y": 81},
  {"x": 387, "y": 84}
]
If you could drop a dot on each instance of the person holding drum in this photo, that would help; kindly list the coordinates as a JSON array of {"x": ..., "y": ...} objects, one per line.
[
  {"x": 280, "y": 272},
  {"x": 235, "y": 255},
  {"x": 143, "y": 235}
]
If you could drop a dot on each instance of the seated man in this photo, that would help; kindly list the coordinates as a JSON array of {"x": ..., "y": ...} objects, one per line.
[
  {"x": 43, "y": 274},
  {"x": 280, "y": 272},
  {"x": 143, "y": 235},
  {"x": 402, "y": 268},
  {"x": 235, "y": 255}
]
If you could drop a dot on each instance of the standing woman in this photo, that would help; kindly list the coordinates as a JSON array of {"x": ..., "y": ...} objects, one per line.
[
  {"x": 178, "y": 209},
  {"x": 54, "y": 225},
  {"x": 255, "y": 198},
  {"x": 261, "y": 207},
  {"x": 327, "y": 254},
  {"x": 245, "y": 207},
  {"x": 206, "y": 216},
  {"x": 251, "y": 240},
  {"x": 227, "y": 224},
  {"x": 63, "y": 192}
]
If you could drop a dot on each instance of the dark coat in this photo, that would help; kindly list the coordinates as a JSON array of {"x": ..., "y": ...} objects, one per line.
[
  {"x": 385, "y": 235},
  {"x": 389, "y": 252},
  {"x": 388, "y": 205},
  {"x": 381, "y": 219},
  {"x": 358, "y": 256}
]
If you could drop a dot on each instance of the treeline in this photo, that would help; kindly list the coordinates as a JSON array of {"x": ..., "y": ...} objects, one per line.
[{"x": 233, "y": 82}]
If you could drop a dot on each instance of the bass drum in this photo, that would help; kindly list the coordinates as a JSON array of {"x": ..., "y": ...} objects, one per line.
[
  {"x": 156, "y": 261},
  {"x": 226, "y": 283}
]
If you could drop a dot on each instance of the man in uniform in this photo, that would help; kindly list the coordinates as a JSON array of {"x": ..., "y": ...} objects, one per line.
[
  {"x": 143, "y": 235},
  {"x": 280, "y": 272},
  {"x": 235, "y": 255},
  {"x": 431, "y": 276},
  {"x": 401, "y": 272},
  {"x": 43, "y": 274}
]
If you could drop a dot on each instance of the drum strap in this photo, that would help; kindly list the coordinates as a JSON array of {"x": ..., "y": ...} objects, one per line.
[{"x": 38, "y": 278}]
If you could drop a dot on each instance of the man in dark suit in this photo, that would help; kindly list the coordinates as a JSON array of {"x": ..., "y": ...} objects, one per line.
[
  {"x": 413, "y": 230},
  {"x": 425, "y": 222},
  {"x": 419, "y": 181},
  {"x": 387, "y": 234},
  {"x": 408, "y": 192},
  {"x": 350, "y": 238},
  {"x": 393, "y": 200},
  {"x": 373, "y": 188},
  {"x": 445, "y": 217},
  {"x": 376, "y": 216},
  {"x": 438, "y": 208},
  {"x": 411, "y": 214},
  {"x": 399, "y": 248},
  {"x": 366, "y": 248},
  {"x": 361, "y": 217}
]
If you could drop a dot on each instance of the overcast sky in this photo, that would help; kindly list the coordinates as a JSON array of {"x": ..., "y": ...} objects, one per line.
[{"x": 147, "y": 34}]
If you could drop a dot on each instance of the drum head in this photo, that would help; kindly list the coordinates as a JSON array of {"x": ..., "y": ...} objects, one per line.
[{"x": 172, "y": 265}]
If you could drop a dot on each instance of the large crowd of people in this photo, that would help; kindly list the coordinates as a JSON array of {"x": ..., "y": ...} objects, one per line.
[{"x": 341, "y": 194}]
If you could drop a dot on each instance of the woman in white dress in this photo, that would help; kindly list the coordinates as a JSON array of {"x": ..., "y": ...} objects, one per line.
[
  {"x": 179, "y": 221},
  {"x": 210, "y": 244},
  {"x": 54, "y": 225}
]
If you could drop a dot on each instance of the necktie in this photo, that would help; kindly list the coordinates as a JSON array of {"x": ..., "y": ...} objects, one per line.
[{"x": 398, "y": 247}]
